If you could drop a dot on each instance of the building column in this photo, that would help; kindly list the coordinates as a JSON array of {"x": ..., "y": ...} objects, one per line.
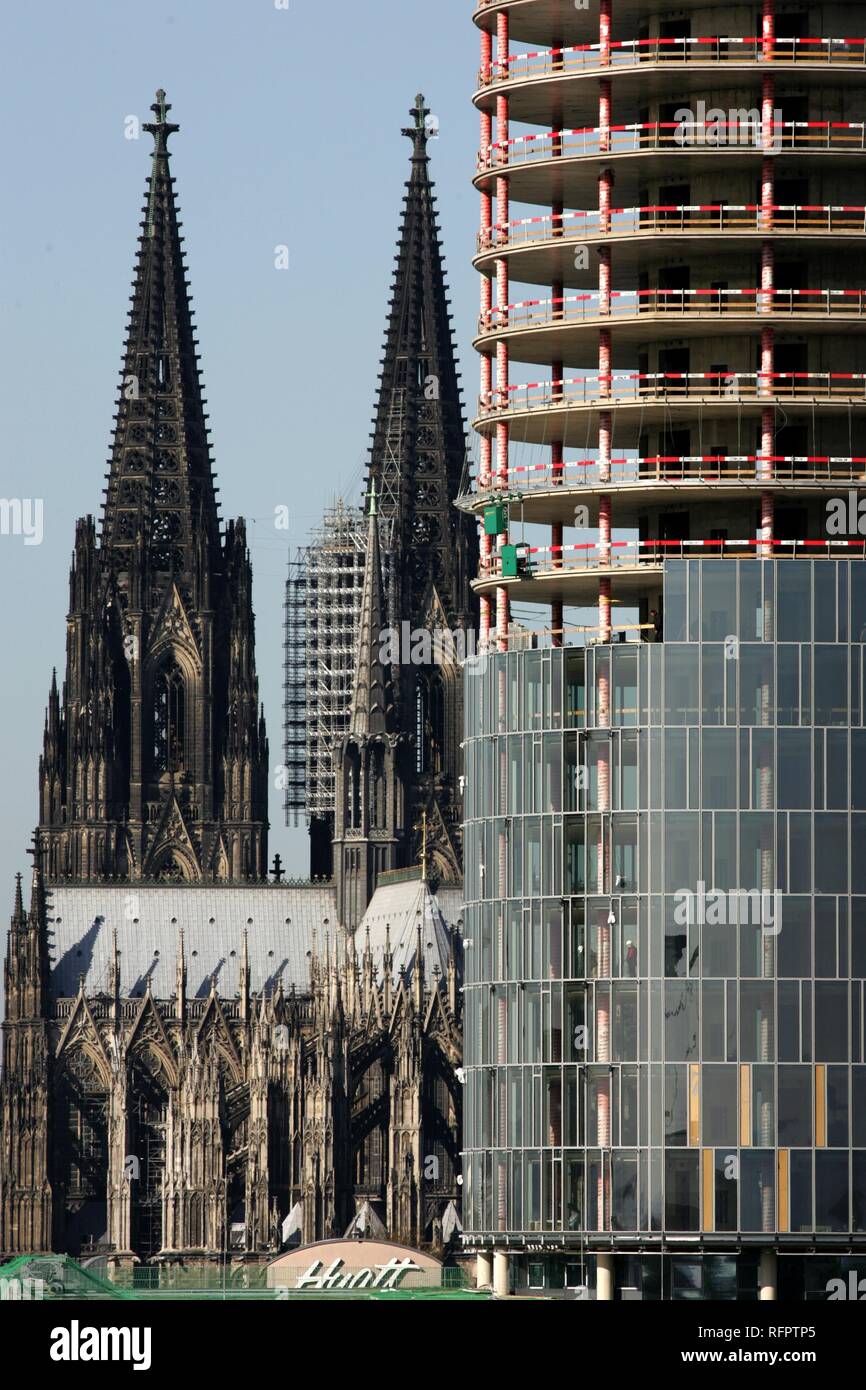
[
  {"x": 605, "y": 346},
  {"x": 768, "y": 1276},
  {"x": 483, "y": 1269},
  {"x": 501, "y": 1274},
  {"x": 488, "y": 237},
  {"x": 605, "y": 633},
  {"x": 557, "y": 311},
  {"x": 556, "y": 530},
  {"x": 767, "y": 382},
  {"x": 604, "y": 1279},
  {"x": 502, "y": 363}
]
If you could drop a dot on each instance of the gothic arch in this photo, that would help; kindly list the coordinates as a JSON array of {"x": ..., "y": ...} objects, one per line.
[
  {"x": 174, "y": 863},
  {"x": 228, "y": 1066},
  {"x": 150, "y": 1076},
  {"x": 80, "y": 1152},
  {"x": 68, "y": 1055},
  {"x": 152, "y": 1057}
]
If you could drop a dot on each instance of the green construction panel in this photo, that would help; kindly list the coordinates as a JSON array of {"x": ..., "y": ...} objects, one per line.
[
  {"x": 494, "y": 520},
  {"x": 509, "y": 561}
]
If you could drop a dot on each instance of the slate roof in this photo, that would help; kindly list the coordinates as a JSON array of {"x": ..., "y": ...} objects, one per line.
[
  {"x": 400, "y": 906},
  {"x": 213, "y": 916}
]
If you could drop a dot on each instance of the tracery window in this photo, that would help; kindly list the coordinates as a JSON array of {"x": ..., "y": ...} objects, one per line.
[
  {"x": 169, "y": 719},
  {"x": 378, "y": 798},
  {"x": 83, "y": 1112}
]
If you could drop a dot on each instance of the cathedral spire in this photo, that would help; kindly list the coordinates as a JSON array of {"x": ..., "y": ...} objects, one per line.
[
  {"x": 160, "y": 480},
  {"x": 419, "y": 438},
  {"x": 154, "y": 763}
]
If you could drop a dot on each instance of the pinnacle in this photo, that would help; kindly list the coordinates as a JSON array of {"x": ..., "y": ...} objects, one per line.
[{"x": 18, "y": 910}]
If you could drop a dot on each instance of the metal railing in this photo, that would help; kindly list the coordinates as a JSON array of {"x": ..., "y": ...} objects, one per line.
[
  {"x": 675, "y": 468},
  {"x": 551, "y": 560},
  {"x": 591, "y": 57},
  {"x": 672, "y": 136},
  {"x": 623, "y": 387},
  {"x": 577, "y": 308},
  {"x": 701, "y": 218}
]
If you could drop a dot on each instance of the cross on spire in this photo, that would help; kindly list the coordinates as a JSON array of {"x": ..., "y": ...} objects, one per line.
[
  {"x": 161, "y": 128},
  {"x": 418, "y": 133}
]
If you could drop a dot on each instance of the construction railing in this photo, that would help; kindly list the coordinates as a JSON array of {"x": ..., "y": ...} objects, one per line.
[
  {"x": 591, "y": 555},
  {"x": 590, "y": 57},
  {"x": 575, "y": 308},
  {"x": 675, "y": 468},
  {"x": 700, "y": 218},
  {"x": 642, "y": 386},
  {"x": 748, "y": 133}
]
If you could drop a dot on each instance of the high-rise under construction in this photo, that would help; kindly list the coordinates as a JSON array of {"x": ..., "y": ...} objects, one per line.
[{"x": 665, "y": 834}]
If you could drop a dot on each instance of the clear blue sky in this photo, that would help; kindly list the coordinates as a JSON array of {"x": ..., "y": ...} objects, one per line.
[{"x": 290, "y": 134}]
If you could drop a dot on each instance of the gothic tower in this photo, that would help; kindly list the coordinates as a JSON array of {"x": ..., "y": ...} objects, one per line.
[
  {"x": 417, "y": 463},
  {"x": 155, "y": 754}
]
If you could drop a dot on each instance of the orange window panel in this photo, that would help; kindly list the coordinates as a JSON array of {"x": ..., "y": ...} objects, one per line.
[
  {"x": 708, "y": 1193},
  {"x": 694, "y": 1104},
  {"x": 820, "y": 1106},
  {"x": 745, "y": 1105},
  {"x": 784, "y": 1189}
]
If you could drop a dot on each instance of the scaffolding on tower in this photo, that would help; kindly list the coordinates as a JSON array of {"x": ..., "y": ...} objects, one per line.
[{"x": 322, "y": 605}]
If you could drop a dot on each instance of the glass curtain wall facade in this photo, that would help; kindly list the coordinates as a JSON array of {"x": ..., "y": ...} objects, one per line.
[
  {"x": 681, "y": 1056},
  {"x": 664, "y": 794}
]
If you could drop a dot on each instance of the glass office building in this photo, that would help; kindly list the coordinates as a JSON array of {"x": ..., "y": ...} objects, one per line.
[
  {"x": 665, "y": 999},
  {"x": 665, "y": 840}
]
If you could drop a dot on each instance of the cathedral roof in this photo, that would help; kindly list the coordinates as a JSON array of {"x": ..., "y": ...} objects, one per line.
[
  {"x": 280, "y": 922},
  {"x": 394, "y": 912}
]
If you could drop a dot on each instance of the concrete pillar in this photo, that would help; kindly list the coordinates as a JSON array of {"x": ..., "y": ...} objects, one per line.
[
  {"x": 604, "y": 1279},
  {"x": 768, "y": 1277},
  {"x": 503, "y": 202},
  {"x": 501, "y": 1274},
  {"x": 483, "y": 1269}
]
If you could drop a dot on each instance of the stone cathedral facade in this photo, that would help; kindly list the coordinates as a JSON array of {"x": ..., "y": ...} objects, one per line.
[{"x": 199, "y": 1061}]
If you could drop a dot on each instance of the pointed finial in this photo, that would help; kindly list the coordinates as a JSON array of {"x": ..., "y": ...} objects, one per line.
[
  {"x": 18, "y": 912},
  {"x": 372, "y": 509},
  {"x": 161, "y": 128},
  {"x": 418, "y": 133}
]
